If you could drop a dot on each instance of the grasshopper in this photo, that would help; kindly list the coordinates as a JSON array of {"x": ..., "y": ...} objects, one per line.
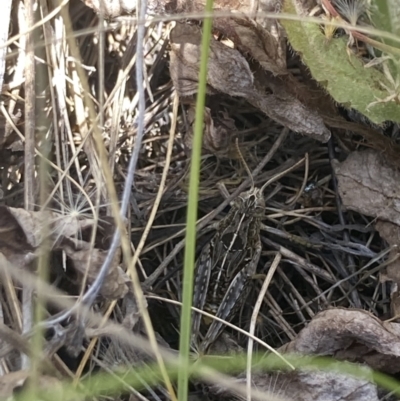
[
  {"x": 229, "y": 260},
  {"x": 227, "y": 263}
]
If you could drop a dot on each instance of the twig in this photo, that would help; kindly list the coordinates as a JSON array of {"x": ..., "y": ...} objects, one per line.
[
  {"x": 253, "y": 321},
  {"x": 160, "y": 188}
]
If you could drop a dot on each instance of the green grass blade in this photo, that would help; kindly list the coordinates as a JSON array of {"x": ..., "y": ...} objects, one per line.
[
  {"x": 103, "y": 383},
  {"x": 190, "y": 239}
]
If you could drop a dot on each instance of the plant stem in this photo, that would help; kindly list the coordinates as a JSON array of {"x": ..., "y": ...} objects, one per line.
[{"x": 190, "y": 239}]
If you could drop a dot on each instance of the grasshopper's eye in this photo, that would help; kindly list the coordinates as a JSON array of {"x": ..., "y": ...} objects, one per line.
[
  {"x": 260, "y": 211},
  {"x": 260, "y": 203}
]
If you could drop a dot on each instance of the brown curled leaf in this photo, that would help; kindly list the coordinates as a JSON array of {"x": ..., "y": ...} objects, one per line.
[
  {"x": 218, "y": 133},
  {"x": 291, "y": 113},
  {"x": 228, "y": 70},
  {"x": 369, "y": 185},
  {"x": 312, "y": 385},
  {"x": 229, "y": 73},
  {"x": 89, "y": 261},
  {"x": 266, "y": 46},
  {"x": 353, "y": 335}
]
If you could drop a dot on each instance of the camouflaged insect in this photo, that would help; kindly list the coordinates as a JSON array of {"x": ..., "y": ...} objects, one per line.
[{"x": 226, "y": 265}]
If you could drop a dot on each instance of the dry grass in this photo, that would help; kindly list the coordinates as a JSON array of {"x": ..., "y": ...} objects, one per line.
[{"x": 71, "y": 124}]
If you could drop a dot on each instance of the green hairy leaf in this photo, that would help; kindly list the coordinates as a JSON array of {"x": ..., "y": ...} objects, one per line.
[{"x": 341, "y": 73}]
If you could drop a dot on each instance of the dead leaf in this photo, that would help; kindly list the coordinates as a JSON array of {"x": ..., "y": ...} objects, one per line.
[
  {"x": 32, "y": 227},
  {"x": 256, "y": 42},
  {"x": 369, "y": 185},
  {"x": 22, "y": 232},
  {"x": 218, "y": 134},
  {"x": 31, "y": 224},
  {"x": 352, "y": 335},
  {"x": 89, "y": 261},
  {"x": 315, "y": 386},
  {"x": 14, "y": 244},
  {"x": 302, "y": 386},
  {"x": 228, "y": 71},
  {"x": 345, "y": 334},
  {"x": 291, "y": 113}
]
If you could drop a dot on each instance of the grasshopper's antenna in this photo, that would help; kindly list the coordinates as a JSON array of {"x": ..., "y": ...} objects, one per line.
[
  {"x": 244, "y": 163},
  {"x": 282, "y": 173}
]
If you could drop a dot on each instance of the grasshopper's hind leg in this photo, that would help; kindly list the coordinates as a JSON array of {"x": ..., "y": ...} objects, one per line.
[{"x": 201, "y": 283}]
